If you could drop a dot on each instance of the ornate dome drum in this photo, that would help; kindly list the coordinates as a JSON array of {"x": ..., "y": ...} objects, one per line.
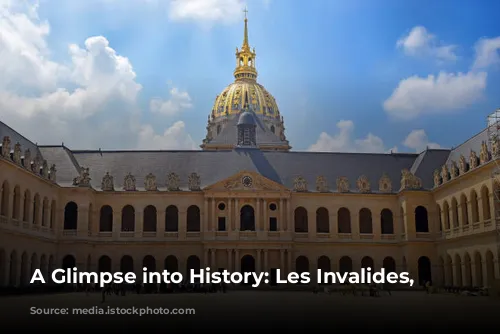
[{"x": 232, "y": 100}]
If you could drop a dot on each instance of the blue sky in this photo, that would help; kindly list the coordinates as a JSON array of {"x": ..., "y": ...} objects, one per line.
[{"x": 325, "y": 61}]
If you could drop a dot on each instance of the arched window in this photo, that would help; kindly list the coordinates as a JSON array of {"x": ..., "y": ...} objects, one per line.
[
  {"x": 71, "y": 216},
  {"x": 149, "y": 219},
  {"x": 386, "y": 222},
  {"x": 128, "y": 219},
  {"x": 301, "y": 224},
  {"x": 344, "y": 220},
  {"x": 106, "y": 219},
  {"x": 365, "y": 221},
  {"x": 421, "y": 219},
  {"x": 322, "y": 221},
  {"x": 172, "y": 219},
  {"x": 193, "y": 219}
]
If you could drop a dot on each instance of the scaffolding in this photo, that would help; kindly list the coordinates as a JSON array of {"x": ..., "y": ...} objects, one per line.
[{"x": 494, "y": 140}]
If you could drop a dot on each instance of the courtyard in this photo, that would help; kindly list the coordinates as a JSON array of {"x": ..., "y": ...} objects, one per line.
[{"x": 289, "y": 309}]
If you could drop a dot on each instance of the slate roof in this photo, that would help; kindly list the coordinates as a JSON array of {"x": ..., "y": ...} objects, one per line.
[
  {"x": 213, "y": 166},
  {"x": 473, "y": 143},
  {"x": 15, "y": 137},
  {"x": 229, "y": 133}
]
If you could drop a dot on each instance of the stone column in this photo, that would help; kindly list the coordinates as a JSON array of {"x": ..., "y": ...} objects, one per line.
[
  {"x": 237, "y": 261},
  {"x": 480, "y": 208},
  {"x": 266, "y": 260},
  {"x": 474, "y": 275},
  {"x": 204, "y": 226},
  {"x": 205, "y": 258},
  {"x": 282, "y": 260},
  {"x": 486, "y": 279},
  {"x": 470, "y": 213},
  {"x": 139, "y": 222},
  {"x": 311, "y": 223},
  {"x": 443, "y": 222},
  {"x": 182, "y": 224},
  {"x": 289, "y": 261},
  {"x": 117, "y": 223},
  {"x": 213, "y": 216},
  {"x": 333, "y": 223},
  {"x": 83, "y": 221},
  {"x": 229, "y": 226},
  {"x": 464, "y": 275},
  {"x": 280, "y": 219},
  {"x": 265, "y": 222},
  {"x": 289, "y": 218},
  {"x": 377, "y": 226},
  {"x": 230, "y": 265},
  {"x": 492, "y": 210},
  {"x": 4, "y": 280},
  {"x": 213, "y": 264},
  {"x": 236, "y": 221},
  {"x": 161, "y": 219},
  {"x": 258, "y": 267},
  {"x": 258, "y": 226}
]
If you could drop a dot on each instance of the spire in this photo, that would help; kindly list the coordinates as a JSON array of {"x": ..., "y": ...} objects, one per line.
[
  {"x": 245, "y": 58},
  {"x": 245, "y": 46}
]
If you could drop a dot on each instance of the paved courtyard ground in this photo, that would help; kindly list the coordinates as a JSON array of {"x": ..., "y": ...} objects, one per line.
[{"x": 289, "y": 310}]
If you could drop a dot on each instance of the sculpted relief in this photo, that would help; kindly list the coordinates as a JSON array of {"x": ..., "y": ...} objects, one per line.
[
  {"x": 322, "y": 184},
  {"x": 150, "y": 182},
  {"x": 107, "y": 183},
  {"x": 342, "y": 185}
]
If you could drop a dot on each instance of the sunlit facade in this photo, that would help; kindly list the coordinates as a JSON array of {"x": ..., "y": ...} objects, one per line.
[{"x": 246, "y": 202}]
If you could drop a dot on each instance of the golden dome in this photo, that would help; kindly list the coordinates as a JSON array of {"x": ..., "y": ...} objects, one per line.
[
  {"x": 245, "y": 91},
  {"x": 232, "y": 99}
]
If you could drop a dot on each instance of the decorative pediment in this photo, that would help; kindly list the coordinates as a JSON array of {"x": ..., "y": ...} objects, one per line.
[
  {"x": 194, "y": 182},
  {"x": 53, "y": 173},
  {"x": 83, "y": 180},
  {"x": 246, "y": 181},
  {"x": 385, "y": 184},
  {"x": 129, "y": 182},
  {"x": 173, "y": 182},
  {"x": 150, "y": 182},
  {"x": 410, "y": 181},
  {"x": 322, "y": 184},
  {"x": 363, "y": 184},
  {"x": 473, "y": 160},
  {"x": 107, "y": 183},
  {"x": 299, "y": 184},
  {"x": 484, "y": 154},
  {"x": 27, "y": 159},
  {"x": 463, "y": 167},
  {"x": 445, "y": 174},
  {"x": 6, "y": 147},
  {"x": 437, "y": 178},
  {"x": 17, "y": 153},
  {"x": 342, "y": 184}
]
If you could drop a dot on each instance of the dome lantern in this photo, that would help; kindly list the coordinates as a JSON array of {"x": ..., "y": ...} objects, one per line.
[{"x": 245, "y": 58}]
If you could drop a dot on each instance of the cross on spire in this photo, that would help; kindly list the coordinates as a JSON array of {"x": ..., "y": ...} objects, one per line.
[{"x": 245, "y": 11}]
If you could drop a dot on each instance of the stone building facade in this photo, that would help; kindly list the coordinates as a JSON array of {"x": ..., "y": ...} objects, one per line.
[{"x": 245, "y": 202}]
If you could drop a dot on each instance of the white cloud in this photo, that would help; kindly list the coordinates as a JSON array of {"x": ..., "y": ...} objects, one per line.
[
  {"x": 487, "y": 52},
  {"x": 344, "y": 142},
  {"x": 175, "y": 137},
  {"x": 418, "y": 141},
  {"x": 419, "y": 42},
  {"x": 444, "y": 93},
  {"x": 88, "y": 103},
  {"x": 225, "y": 11},
  {"x": 178, "y": 102}
]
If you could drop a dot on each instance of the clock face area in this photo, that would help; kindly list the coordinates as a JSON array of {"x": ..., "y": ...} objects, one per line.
[{"x": 247, "y": 181}]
